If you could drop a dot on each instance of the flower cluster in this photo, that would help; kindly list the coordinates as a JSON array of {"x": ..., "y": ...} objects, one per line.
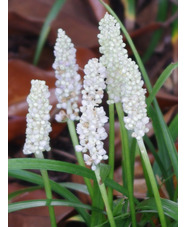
[
  {"x": 38, "y": 125},
  {"x": 134, "y": 102},
  {"x": 114, "y": 56},
  {"x": 68, "y": 84},
  {"x": 91, "y": 127},
  {"x": 124, "y": 83}
]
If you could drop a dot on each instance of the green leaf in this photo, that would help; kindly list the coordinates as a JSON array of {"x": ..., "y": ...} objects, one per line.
[
  {"x": 21, "y": 191},
  {"x": 44, "y": 202},
  {"x": 163, "y": 137},
  {"x": 75, "y": 186},
  {"x": 118, "y": 206},
  {"x": 161, "y": 80},
  {"x": 36, "y": 179},
  {"x": 97, "y": 217},
  {"x": 170, "y": 208},
  {"x": 53, "y": 165},
  {"x": 33, "y": 163},
  {"x": 104, "y": 171},
  {"x": 124, "y": 217},
  {"x": 46, "y": 28},
  {"x": 173, "y": 128}
]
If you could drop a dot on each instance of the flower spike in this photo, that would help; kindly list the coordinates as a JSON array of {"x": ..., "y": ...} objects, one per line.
[
  {"x": 68, "y": 84},
  {"x": 124, "y": 83},
  {"x": 38, "y": 125},
  {"x": 91, "y": 127}
]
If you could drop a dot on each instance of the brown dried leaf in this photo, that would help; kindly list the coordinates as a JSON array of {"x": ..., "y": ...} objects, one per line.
[{"x": 76, "y": 18}]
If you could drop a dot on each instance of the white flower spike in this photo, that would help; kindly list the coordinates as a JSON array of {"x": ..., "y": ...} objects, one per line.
[
  {"x": 68, "y": 84},
  {"x": 124, "y": 83},
  {"x": 91, "y": 127},
  {"x": 38, "y": 125}
]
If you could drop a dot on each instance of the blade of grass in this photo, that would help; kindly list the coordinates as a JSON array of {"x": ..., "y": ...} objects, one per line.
[
  {"x": 35, "y": 163},
  {"x": 163, "y": 155},
  {"x": 15, "y": 170},
  {"x": 173, "y": 128},
  {"x": 111, "y": 151},
  {"x": 127, "y": 161},
  {"x": 164, "y": 139},
  {"x": 133, "y": 151},
  {"x": 75, "y": 186},
  {"x": 46, "y": 28},
  {"x": 152, "y": 182},
  {"x": 22, "y": 191},
  {"x": 48, "y": 190},
  {"x": 12, "y": 207},
  {"x": 155, "y": 154},
  {"x": 104, "y": 197},
  {"x": 170, "y": 208},
  {"x": 36, "y": 179},
  {"x": 161, "y": 80},
  {"x": 97, "y": 217}
]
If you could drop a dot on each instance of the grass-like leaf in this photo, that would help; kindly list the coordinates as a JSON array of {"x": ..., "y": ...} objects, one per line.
[
  {"x": 173, "y": 128},
  {"x": 21, "y": 191},
  {"x": 170, "y": 208},
  {"x": 62, "y": 191},
  {"x": 46, "y": 28},
  {"x": 12, "y": 207},
  {"x": 161, "y": 80},
  {"x": 16, "y": 165},
  {"x": 76, "y": 187},
  {"x": 53, "y": 165}
]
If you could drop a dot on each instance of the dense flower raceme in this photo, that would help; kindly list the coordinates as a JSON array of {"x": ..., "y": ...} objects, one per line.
[
  {"x": 124, "y": 83},
  {"x": 91, "y": 127},
  {"x": 68, "y": 84},
  {"x": 38, "y": 125}
]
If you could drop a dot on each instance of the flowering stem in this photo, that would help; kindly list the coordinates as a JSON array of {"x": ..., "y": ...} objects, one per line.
[
  {"x": 126, "y": 164},
  {"x": 152, "y": 181},
  {"x": 111, "y": 151},
  {"x": 47, "y": 191},
  {"x": 74, "y": 138},
  {"x": 105, "y": 197}
]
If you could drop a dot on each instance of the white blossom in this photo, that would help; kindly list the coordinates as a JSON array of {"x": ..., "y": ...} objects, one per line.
[
  {"x": 124, "y": 83},
  {"x": 114, "y": 56},
  {"x": 68, "y": 84},
  {"x": 38, "y": 125},
  {"x": 91, "y": 127}
]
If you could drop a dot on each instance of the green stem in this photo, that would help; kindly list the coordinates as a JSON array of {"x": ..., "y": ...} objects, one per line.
[
  {"x": 47, "y": 191},
  {"x": 105, "y": 198},
  {"x": 127, "y": 161},
  {"x": 74, "y": 138},
  {"x": 111, "y": 151},
  {"x": 146, "y": 161}
]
